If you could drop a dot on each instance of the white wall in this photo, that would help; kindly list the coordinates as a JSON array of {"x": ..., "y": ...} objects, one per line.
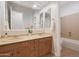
[
  {"x": 56, "y": 33},
  {"x": 70, "y": 8}
]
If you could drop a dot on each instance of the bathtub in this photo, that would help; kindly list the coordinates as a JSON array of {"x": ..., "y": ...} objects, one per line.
[{"x": 70, "y": 43}]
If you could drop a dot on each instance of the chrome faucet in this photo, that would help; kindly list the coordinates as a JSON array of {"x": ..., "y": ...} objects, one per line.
[{"x": 4, "y": 36}]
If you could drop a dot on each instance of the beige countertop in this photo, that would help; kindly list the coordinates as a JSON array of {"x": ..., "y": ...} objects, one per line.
[{"x": 9, "y": 40}]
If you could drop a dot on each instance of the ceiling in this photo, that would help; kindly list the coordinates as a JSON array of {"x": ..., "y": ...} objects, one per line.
[
  {"x": 65, "y": 3},
  {"x": 40, "y": 4}
]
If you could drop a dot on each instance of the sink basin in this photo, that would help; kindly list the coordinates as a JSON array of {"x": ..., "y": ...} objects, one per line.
[
  {"x": 19, "y": 37},
  {"x": 4, "y": 40}
]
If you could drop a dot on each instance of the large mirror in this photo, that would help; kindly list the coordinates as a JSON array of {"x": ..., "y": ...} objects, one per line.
[
  {"x": 47, "y": 22},
  {"x": 41, "y": 20},
  {"x": 34, "y": 24},
  {"x": 20, "y": 17},
  {"x": 23, "y": 19},
  {"x": 17, "y": 20}
]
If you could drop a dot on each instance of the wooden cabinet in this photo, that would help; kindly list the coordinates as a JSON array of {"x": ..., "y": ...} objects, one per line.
[
  {"x": 45, "y": 46},
  {"x": 22, "y": 49},
  {"x": 36, "y": 47},
  {"x": 6, "y": 50},
  {"x": 31, "y": 48}
]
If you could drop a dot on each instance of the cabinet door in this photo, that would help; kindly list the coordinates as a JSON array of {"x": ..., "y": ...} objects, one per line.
[
  {"x": 22, "y": 49},
  {"x": 45, "y": 46},
  {"x": 6, "y": 51},
  {"x": 32, "y": 49},
  {"x": 27, "y": 49}
]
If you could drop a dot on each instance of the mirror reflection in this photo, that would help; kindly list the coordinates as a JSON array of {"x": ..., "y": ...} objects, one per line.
[
  {"x": 47, "y": 19},
  {"x": 22, "y": 18},
  {"x": 19, "y": 17},
  {"x": 41, "y": 20}
]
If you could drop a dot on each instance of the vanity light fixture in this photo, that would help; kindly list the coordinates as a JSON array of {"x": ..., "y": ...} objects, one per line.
[{"x": 34, "y": 6}]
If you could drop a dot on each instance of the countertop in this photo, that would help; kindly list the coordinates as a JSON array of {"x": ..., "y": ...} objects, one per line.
[{"x": 12, "y": 39}]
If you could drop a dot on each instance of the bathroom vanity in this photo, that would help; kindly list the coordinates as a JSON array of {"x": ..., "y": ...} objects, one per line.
[
  {"x": 20, "y": 20},
  {"x": 29, "y": 46}
]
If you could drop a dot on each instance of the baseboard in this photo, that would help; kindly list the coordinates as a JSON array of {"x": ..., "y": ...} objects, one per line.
[{"x": 71, "y": 43}]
